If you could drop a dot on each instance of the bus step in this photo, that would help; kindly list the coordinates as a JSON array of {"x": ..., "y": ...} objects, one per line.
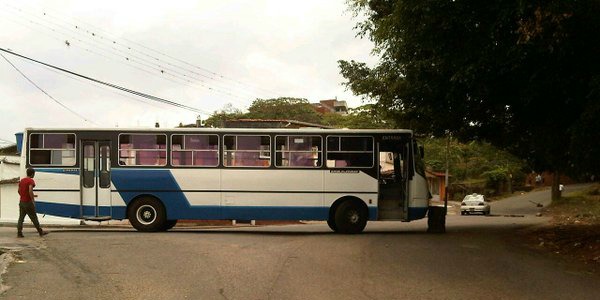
[
  {"x": 390, "y": 214},
  {"x": 97, "y": 218}
]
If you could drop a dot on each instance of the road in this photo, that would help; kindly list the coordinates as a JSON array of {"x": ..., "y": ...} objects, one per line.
[
  {"x": 478, "y": 258},
  {"x": 526, "y": 203}
]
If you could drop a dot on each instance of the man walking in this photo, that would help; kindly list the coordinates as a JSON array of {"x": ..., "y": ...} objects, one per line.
[{"x": 27, "y": 204}]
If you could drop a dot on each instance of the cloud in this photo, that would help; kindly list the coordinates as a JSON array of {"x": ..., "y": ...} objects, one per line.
[{"x": 217, "y": 52}]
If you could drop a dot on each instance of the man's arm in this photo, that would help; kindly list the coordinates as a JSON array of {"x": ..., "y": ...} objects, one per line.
[{"x": 31, "y": 195}]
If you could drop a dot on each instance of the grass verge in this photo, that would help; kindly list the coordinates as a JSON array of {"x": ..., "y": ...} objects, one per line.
[{"x": 574, "y": 230}]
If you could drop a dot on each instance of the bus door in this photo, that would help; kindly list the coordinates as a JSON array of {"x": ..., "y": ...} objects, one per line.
[
  {"x": 393, "y": 175},
  {"x": 95, "y": 180}
]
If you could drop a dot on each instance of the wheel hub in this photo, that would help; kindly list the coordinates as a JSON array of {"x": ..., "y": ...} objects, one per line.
[
  {"x": 353, "y": 217},
  {"x": 146, "y": 214}
]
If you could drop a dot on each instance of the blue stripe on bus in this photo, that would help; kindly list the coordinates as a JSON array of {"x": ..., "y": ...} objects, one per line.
[
  {"x": 275, "y": 212},
  {"x": 58, "y": 170},
  {"x": 58, "y": 209},
  {"x": 373, "y": 213},
  {"x": 70, "y": 210},
  {"x": 126, "y": 182},
  {"x": 176, "y": 204},
  {"x": 216, "y": 212},
  {"x": 74, "y": 210},
  {"x": 198, "y": 212}
]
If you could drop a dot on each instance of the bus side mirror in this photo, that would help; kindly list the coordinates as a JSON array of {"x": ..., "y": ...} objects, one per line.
[{"x": 422, "y": 151}]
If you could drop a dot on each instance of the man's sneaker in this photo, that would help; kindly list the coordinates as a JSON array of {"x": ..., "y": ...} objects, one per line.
[
  {"x": 20, "y": 235},
  {"x": 43, "y": 233}
]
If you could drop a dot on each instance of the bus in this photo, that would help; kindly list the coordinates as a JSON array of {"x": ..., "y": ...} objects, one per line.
[{"x": 155, "y": 177}]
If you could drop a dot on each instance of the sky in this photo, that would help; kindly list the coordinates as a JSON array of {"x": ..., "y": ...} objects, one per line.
[{"x": 202, "y": 54}]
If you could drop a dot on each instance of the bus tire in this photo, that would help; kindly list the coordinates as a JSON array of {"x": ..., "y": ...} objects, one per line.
[
  {"x": 169, "y": 224},
  {"x": 351, "y": 217},
  {"x": 147, "y": 214}
]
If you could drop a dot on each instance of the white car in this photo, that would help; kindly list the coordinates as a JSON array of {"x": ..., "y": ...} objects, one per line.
[{"x": 474, "y": 203}]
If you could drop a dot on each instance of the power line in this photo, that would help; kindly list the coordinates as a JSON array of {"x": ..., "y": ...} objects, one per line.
[
  {"x": 99, "y": 85},
  {"x": 154, "y": 60},
  {"x": 102, "y": 87},
  {"x": 42, "y": 90},
  {"x": 140, "y": 94},
  {"x": 159, "y": 52},
  {"x": 129, "y": 60}
]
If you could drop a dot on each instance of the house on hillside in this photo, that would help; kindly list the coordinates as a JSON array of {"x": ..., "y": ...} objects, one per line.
[
  {"x": 437, "y": 185},
  {"x": 331, "y": 106}
]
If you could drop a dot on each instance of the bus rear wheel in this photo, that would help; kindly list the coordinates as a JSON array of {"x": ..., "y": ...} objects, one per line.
[
  {"x": 147, "y": 214},
  {"x": 350, "y": 217}
]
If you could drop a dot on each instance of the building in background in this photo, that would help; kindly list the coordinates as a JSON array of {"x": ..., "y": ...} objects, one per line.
[
  {"x": 331, "y": 106},
  {"x": 437, "y": 185}
]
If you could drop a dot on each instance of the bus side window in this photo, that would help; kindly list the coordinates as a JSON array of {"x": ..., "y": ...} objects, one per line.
[
  {"x": 247, "y": 151},
  {"x": 143, "y": 149},
  {"x": 298, "y": 151},
  {"x": 350, "y": 152}
]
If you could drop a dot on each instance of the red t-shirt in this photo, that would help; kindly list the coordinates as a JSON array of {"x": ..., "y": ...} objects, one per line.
[{"x": 24, "y": 188}]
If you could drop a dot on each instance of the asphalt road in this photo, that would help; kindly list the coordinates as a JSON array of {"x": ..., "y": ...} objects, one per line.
[
  {"x": 478, "y": 258},
  {"x": 526, "y": 203}
]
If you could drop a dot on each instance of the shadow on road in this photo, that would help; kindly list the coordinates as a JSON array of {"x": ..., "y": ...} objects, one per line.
[{"x": 458, "y": 224}]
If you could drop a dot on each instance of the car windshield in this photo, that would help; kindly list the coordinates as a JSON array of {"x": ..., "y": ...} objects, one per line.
[{"x": 473, "y": 198}]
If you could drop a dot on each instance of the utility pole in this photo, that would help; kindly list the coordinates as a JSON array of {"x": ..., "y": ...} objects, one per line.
[{"x": 447, "y": 170}]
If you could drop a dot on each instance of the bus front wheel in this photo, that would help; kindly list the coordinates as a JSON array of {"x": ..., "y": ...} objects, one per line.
[
  {"x": 350, "y": 217},
  {"x": 147, "y": 214}
]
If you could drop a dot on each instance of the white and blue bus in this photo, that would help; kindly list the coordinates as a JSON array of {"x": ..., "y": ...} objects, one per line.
[{"x": 155, "y": 177}]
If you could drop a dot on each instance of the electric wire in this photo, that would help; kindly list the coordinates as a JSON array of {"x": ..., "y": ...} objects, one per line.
[
  {"x": 140, "y": 94},
  {"x": 86, "y": 82},
  {"x": 176, "y": 78},
  {"x": 113, "y": 38},
  {"x": 122, "y": 94},
  {"x": 49, "y": 96},
  {"x": 93, "y": 36},
  {"x": 53, "y": 33}
]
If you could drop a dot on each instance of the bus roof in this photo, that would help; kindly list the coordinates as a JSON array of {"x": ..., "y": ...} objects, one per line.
[{"x": 217, "y": 130}]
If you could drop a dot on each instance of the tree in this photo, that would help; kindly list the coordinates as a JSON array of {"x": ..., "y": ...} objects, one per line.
[
  {"x": 283, "y": 108},
  {"x": 228, "y": 112},
  {"x": 475, "y": 166},
  {"x": 519, "y": 74},
  {"x": 365, "y": 116}
]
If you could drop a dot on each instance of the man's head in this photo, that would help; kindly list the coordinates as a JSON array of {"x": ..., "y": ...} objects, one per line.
[{"x": 30, "y": 172}]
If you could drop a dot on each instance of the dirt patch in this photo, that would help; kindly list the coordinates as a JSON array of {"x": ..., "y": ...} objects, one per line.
[
  {"x": 6, "y": 258},
  {"x": 574, "y": 230}
]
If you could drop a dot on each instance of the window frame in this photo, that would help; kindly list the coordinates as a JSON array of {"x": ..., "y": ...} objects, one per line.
[
  {"x": 341, "y": 151},
  {"x": 321, "y": 152},
  {"x": 135, "y": 166},
  {"x": 260, "y": 152},
  {"x": 74, "y": 149},
  {"x": 184, "y": 150}
]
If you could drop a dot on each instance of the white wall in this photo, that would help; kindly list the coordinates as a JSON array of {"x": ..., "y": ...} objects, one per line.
[
  {"x": 9, "y": 167},
  {"x": 9, "y": 208},
  {"x": 9, "y": 196}
]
